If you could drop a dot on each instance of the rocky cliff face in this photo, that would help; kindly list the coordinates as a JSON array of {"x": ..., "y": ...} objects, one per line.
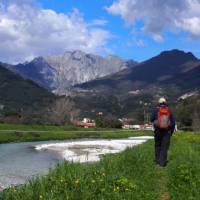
[{"x": 59, "y": 73}]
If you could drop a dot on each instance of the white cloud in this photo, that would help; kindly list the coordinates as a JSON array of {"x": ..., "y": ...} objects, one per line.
[
  {"x": 20, "y": 2},
  {"x": 158, "y": 37},
  {"x": 140, "y": 43},
  {"x": 99, "y": 22},
  {"x": 160, "y": 15},
  {"x": 137, "y": 42},
  {"x": 191, "y": 25},
  {"x": 27, "y": 31}
]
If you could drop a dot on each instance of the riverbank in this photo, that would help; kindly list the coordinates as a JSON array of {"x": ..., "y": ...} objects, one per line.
[
  {"x": 128, "y": 175},
  {"x": 27, "y": 133},
  {"x": 22, "y": 161}
]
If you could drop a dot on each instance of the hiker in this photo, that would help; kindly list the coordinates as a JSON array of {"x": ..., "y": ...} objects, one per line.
[{"x": 164, "y": 125}]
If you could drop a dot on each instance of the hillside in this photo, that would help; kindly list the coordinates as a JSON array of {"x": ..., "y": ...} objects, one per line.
[
  {"x": 17, "y": 93},
  {"x": 128, "y": 93},
  {"x": 171, "y": 70},
  {"x": 38, "y": 70}
]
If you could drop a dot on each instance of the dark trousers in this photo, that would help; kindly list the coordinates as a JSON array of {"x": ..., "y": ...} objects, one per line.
[{"x": 162, "y": 142}]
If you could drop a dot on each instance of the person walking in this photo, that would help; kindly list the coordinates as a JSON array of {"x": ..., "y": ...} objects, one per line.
[{"x": 164, "y": 125}]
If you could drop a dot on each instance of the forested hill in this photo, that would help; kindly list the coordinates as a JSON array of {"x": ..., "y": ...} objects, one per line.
[{"x": 17, "y": 93}]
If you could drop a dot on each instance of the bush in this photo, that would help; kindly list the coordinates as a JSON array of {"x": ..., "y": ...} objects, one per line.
[{"x": 108, "y": 122}]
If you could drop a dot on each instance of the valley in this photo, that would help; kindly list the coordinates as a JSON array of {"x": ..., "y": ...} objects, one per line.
[{"x": 121, "y": 92}]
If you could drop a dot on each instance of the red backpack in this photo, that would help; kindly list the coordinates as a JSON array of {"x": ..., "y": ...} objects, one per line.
[{"x": 163, "y": 118}]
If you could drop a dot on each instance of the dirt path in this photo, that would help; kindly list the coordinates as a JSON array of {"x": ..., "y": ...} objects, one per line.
[{"x": 162, "y": 175}]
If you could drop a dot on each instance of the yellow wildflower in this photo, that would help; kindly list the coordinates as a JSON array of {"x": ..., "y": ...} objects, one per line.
[{"x": 77, "y": 181}]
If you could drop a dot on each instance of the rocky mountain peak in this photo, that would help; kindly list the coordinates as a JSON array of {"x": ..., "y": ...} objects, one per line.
[
  {"x": 78, "y": 54},
  {"x": 38, "y": 60},
  {"x": 59, "y": 73}
]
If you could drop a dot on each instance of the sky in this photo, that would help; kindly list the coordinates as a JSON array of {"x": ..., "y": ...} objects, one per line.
[{"x": 131, "y": 29}]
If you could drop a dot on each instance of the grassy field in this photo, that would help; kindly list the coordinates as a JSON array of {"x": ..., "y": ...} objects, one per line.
[
  {"x": 131, "y": 174},
  {"x": 24, "y": 127},
  {"x": 25, "y": 133}
]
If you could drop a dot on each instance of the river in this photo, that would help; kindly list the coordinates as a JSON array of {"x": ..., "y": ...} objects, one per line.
[{"x": 19, "y": 162}]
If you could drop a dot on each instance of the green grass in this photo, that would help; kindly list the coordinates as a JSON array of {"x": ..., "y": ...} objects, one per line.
[
  {"x": 184, "y": 168},
  {"x": 26, "y": 133},
  {"x": 24, "y": 127},
  {"x": 123, "y": 176},
  {"x": 19, "y": 136},
  {"x": 131, "y": 174}
]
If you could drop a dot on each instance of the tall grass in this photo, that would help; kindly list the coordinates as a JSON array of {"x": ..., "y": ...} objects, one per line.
[
  {"x": 128, "y": 175},
  {"x": 131, "y": 174},
  {"x": 184, "y": 168}
]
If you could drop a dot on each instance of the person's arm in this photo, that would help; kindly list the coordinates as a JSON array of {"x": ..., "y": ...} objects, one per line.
[
  {"x": 172, "y": 121},
  {"x": 153, "y": 116}
]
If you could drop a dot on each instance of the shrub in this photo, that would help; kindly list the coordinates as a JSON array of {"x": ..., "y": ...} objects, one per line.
[{"x": 108, "y": 122}]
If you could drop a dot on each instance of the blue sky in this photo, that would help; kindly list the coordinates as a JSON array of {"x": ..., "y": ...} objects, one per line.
[
  {"x": 132, "y": 29},
  {"x": 95, "y": 9}
]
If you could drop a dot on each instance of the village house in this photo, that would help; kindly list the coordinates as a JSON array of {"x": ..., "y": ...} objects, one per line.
[{"x": 86, "y": 123}]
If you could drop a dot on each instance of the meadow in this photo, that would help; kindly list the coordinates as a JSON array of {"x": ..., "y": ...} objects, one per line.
[
  {"x": 26, "y": 133},
  {"x": 131, "y": 174}
]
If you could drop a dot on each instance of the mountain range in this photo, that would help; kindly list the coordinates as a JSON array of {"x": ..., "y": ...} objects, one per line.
[
  {"x": 169, "y": 73},
  {"x": 59, "y": 73},
  {"x": 103, "y": 84}
]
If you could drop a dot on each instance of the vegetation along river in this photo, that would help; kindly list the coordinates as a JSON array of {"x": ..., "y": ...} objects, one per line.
[{"x": 22, "y": 161}]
